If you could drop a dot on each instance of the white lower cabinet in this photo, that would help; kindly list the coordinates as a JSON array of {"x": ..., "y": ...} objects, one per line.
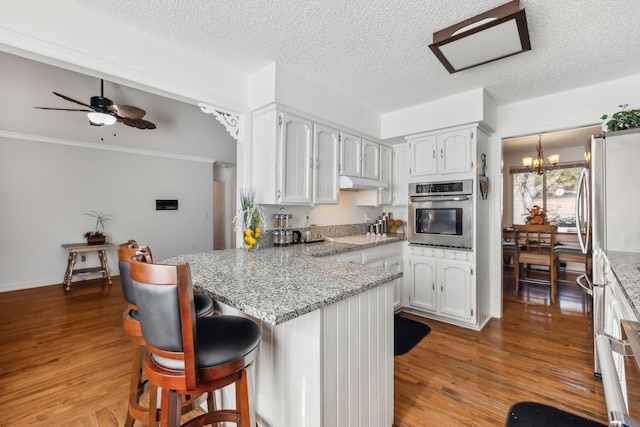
[
  {"x": 422, "y": 283},
  {"x": 617, "y": 308},
  {"x": 387, "y": 256},
  {"x": 441, "y": 284},
  {"x": 395, "y": 264}
]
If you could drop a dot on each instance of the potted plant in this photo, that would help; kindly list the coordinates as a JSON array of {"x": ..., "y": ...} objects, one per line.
[
  {"x": 97, "y": 236},
  {"x": 623, "y": 119},
  {"x": 250, "y": 219}
]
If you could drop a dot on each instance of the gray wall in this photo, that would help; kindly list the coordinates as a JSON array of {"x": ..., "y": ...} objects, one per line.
[{"x": 55, "y": 167}]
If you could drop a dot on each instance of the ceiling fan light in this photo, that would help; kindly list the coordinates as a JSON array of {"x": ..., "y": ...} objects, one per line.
[{"x": 101, "y": 118}]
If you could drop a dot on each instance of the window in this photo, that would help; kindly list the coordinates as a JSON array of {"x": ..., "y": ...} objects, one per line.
[{"x": 555, "y": 191}]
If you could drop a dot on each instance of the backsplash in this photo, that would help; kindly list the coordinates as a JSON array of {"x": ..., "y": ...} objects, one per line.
[
  {"x": 340, "y": 230},
  {"x": 320, "y": 231}
]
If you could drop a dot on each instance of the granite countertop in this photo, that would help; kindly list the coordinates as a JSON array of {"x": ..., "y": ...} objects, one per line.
[
  {"x": 329, "y": 247},
  {"x": 625, "y": 266},
  {"x": 281, "y": 283}
]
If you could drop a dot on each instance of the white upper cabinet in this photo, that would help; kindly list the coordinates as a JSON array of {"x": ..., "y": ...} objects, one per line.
[
  {"x": 293, "y": 162},
  {"x": 442, "y": 153},
  {"x": 386, "y": 174},
  {"x": 296, "y": 161},
  {"x": 370, "y": 159},
  {"x": 296, "y": 146},
  {"x": 350, "y": 155},
  {"x": 400, "y": 180},
  {"x": 455, "y": 151},
  {"x": 326, "y": 146},
  {"x": 423, "y": 155},
  {"x": 359, "y": 157}
]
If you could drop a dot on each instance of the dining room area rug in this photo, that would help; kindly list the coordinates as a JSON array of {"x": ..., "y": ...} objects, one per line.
[{"x": 407, "y": 334}]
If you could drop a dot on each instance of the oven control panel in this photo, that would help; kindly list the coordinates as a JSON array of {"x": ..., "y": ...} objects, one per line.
[{"x": 449, "y": 188}]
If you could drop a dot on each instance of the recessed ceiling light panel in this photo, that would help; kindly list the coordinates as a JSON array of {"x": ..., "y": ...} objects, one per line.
[{"x": 496, "y": 34}]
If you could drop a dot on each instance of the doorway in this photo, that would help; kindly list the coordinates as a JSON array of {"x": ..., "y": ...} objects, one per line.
[
  {"x": 553, "y": 190},
  {"x": 224, "y": 205}
]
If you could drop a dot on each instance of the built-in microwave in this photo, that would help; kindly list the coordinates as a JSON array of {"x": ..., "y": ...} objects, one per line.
[{"x": 441, "y": 214}]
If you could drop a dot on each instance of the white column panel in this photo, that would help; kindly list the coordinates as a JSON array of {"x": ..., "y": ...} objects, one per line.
[
  {"x": 365, "y": 358},
  {"x": 351, "y": 328},
  {"x": 363, "y": 348},
  {"x": 339, "y": 341},
  {"x": 332, "y": 367},
  {"x": 330, "y": 364}
]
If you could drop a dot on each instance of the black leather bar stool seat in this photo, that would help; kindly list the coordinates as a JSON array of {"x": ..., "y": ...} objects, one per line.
[
  {"x": 138, "y": 385},
  {"x": 187, "y": 355}
]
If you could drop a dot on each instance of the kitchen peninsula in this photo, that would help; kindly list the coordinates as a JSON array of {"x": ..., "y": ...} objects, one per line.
[{"x": 326, "y": 356}]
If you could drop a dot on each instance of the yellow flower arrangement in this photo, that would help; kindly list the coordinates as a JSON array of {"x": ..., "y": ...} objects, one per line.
[
  {"x": 249, "y": 219},
  {"x": 537, "y": 216}
]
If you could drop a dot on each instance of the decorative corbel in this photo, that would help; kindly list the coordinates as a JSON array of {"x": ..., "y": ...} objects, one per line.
[{"x": 230, "y": 121}]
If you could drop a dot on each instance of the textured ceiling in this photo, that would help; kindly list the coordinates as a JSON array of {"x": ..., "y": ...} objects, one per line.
[{"x": 376, "y": 52}]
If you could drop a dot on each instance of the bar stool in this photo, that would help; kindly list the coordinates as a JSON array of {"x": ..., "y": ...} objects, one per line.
[
  {"x": 189, "y": 355},
  {"x": 131, "y": 325}
]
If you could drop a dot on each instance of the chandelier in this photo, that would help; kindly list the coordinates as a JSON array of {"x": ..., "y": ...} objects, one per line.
[{"x": 537, "y": 165}]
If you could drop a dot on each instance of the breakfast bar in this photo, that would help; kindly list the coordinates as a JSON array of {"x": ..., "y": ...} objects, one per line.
[{"x": 326, "y": 356}]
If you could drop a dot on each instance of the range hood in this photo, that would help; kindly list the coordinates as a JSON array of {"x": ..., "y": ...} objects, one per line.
[{"x": 356, "y": 183}]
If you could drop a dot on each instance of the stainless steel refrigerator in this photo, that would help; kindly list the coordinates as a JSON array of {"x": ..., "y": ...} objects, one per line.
[{"x": 607, "y": 209}]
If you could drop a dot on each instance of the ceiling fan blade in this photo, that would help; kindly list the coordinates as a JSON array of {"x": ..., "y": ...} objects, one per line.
[
  {"x": 64, "y": 109},
  {"x": 128, "y": 111},
  {"x": 137, "y": 123},
  {"x": 73, "y": 100}
]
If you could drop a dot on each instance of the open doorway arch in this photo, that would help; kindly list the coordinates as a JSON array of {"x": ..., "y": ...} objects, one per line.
[
  {"x": 224, "y": 183},
  {"x": 568, "y": 143}
]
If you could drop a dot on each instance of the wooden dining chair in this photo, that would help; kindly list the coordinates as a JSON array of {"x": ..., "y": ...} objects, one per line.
[{"x": 536, "y": 246}]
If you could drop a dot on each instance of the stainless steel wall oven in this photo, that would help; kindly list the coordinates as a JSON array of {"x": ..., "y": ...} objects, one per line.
[{"x": 441, "y": 214}]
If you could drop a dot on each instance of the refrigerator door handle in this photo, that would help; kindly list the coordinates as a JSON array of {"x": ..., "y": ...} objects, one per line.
[
  {"x": 588, "y": 286},
  {"x": 582, "y": 204}
]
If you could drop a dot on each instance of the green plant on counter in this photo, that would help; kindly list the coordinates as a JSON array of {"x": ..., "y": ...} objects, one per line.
[
  {"x": 623, "y": 119},
  {"x": 249, "y": 219},
  {"x": 101, "y": 221}
]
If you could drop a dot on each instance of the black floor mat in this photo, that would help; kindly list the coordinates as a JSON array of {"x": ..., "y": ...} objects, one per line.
[
  {"x": 407, "y": 333},
  {"x": 531, "y": 414}
]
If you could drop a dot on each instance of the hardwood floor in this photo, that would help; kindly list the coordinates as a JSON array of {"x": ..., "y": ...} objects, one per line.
[
  {"x": 538, "y": 352},
  {"x": 65, "y": 361}
]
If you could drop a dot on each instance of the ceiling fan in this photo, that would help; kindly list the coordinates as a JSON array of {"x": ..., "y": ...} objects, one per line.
[{"x": 102, "y": 111}]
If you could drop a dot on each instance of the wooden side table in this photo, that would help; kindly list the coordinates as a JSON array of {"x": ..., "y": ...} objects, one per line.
[{"x": 74, "y": 249}]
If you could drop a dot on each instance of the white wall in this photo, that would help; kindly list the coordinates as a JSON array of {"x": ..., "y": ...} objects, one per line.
[
  {"x": 474, "y": 106},
  {"x": 345, "y": 212},
  {"x": 566, "y": 110},
  {"x": 276, "y": 83}
]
